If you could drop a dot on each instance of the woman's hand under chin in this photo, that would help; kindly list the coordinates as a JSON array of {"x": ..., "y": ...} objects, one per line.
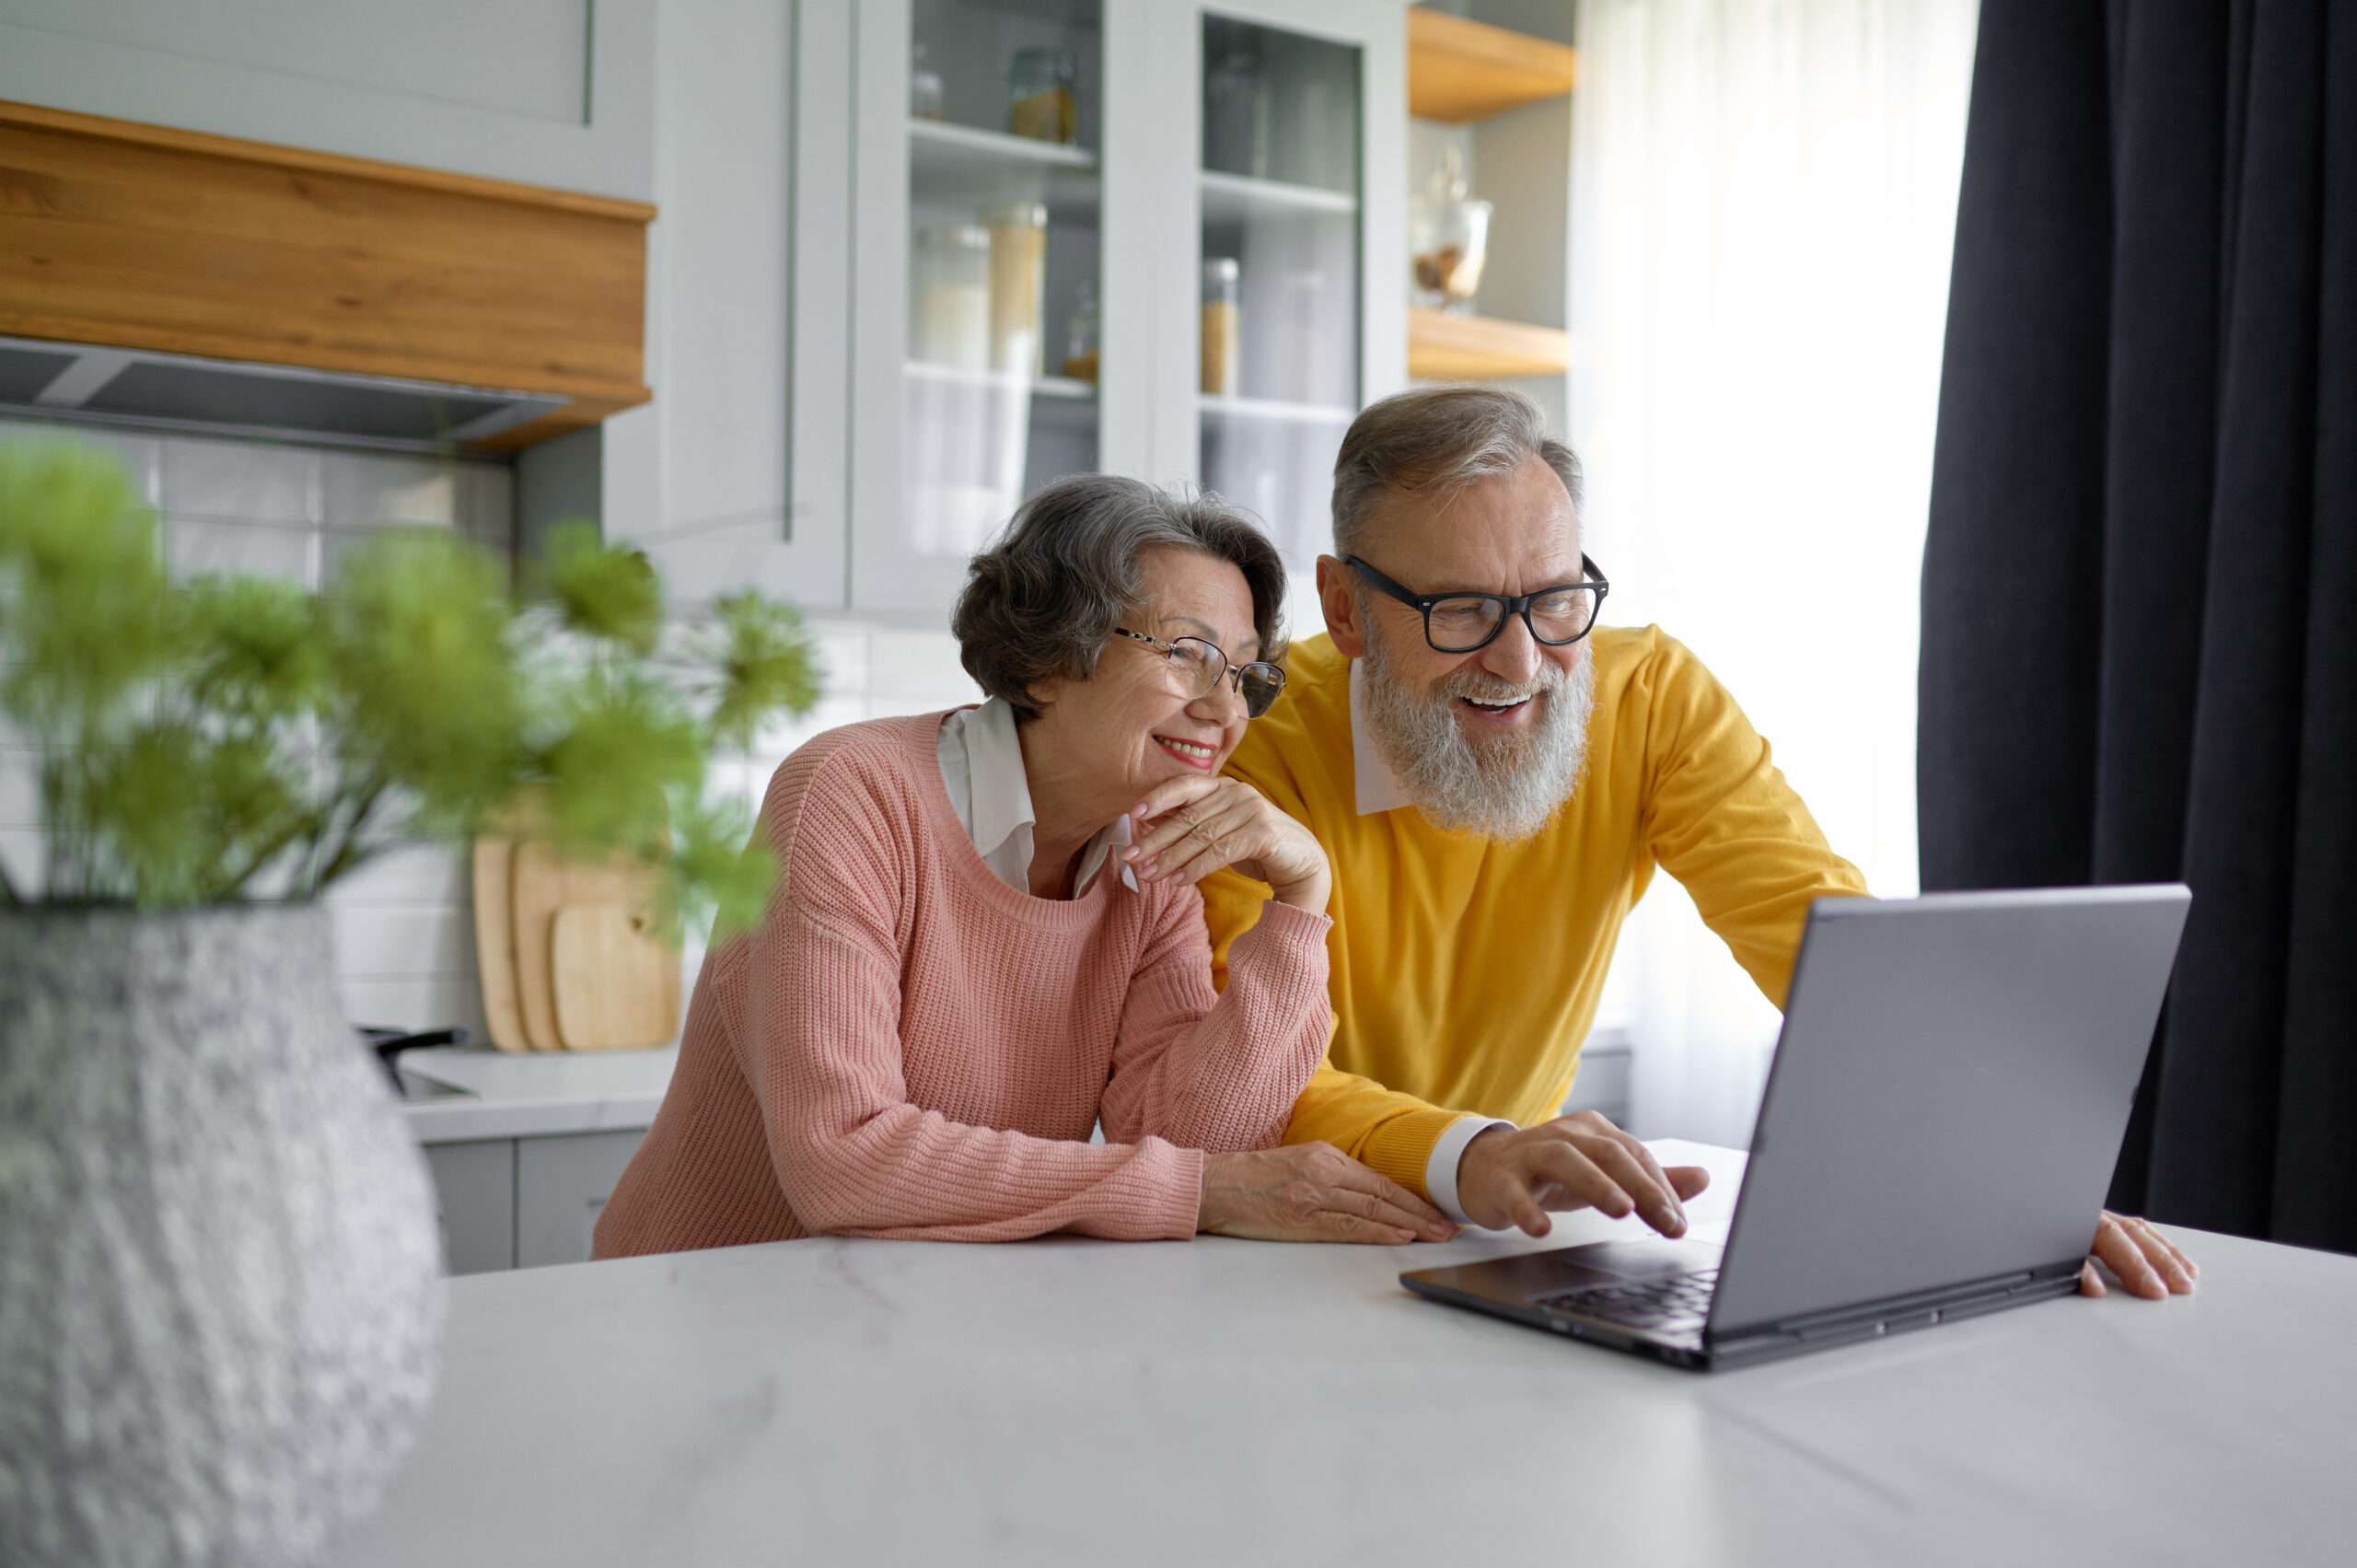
[{"x": 1186, "y": 829}]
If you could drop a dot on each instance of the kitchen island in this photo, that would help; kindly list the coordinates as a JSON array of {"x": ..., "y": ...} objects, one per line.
[
  {"x": 1065, "y": 1401},
  {"x": 525, "y": 1149}
]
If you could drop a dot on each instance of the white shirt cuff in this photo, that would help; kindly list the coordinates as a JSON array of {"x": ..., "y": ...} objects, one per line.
[{"x": 1440, "y": 1171}]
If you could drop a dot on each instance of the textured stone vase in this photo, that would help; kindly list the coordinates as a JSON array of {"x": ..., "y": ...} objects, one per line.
[{"x": 220, "y": 1303}]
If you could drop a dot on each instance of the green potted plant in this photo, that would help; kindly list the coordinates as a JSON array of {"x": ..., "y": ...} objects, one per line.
[{"x": 220, "y": 1307}]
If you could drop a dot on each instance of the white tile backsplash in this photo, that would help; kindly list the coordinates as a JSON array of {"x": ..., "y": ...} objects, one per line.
[
  {"x": 19, "y": 787},
  {"x": 241, "y": 480},
  {"x": 363, "y": 491},
  {"x": 402, "y": 941},
  {"x": 194, "y": 545},
  {"x": 412, "y": 873},
  {"x": 142, "y": 454},
  {"x": 24, "y": 858}
]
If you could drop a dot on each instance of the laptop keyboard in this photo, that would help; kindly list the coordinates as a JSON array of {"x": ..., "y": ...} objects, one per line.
[{"x": 1672, "y": 1304}]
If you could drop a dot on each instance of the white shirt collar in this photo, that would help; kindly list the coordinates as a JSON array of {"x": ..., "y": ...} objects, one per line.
[
  {"x": 981, "y": 766},
  {"x": 1378, "y": 786}
]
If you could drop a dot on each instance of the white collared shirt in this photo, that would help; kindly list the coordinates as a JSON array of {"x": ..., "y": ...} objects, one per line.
[
  {"x": 1379, "y": 790},
  {"x": 981, "y": 766}
]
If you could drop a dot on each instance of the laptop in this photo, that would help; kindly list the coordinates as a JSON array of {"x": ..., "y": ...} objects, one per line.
[{"x": 1937, "y": 1135}]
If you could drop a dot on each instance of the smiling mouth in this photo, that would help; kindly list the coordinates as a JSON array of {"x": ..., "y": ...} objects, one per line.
[
  {"x": 1194, "y": 753},
  {"x": 1496, "y": 707}
]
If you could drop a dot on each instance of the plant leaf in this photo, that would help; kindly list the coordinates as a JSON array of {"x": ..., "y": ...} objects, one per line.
[{"x": 604, "y": 591}]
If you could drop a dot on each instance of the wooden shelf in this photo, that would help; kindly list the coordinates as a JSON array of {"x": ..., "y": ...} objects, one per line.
[
  {"x": 141, "y": 237},
  {"x": 1460, "y": 71},
  {"x": 1476, "y": 348}
]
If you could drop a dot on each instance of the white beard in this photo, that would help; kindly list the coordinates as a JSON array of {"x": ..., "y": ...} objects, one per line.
[{"x": 1504, "y": 787}]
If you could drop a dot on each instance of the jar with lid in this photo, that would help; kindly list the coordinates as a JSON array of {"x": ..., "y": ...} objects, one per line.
[
  {"x": 949, "y": 296},
  {"x": 1081, "y": 335},
  {"x": 1223, "y": 327},
  {"x": 1044, "y": 100},
  {"x": 924, "y": 88},
  {"x": 1018, "y": 278}
]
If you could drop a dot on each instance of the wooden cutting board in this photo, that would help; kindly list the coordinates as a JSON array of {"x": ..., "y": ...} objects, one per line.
[
  {"x": 495, "y": 941},
  {"x": 617, "y": 988},
  {"x": 543, "y": 883}
]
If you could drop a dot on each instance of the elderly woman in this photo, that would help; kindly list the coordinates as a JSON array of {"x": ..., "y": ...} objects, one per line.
[{"x": 969, "y": 963}]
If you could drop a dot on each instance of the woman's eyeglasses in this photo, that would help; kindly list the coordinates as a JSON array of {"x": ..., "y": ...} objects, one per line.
[
  {"x": 1196, "y": 667},
  {"x": 1459, "y": 623}
]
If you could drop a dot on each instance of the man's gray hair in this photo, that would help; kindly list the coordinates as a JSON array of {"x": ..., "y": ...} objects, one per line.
[
  {"x": 1434, "y": 441},
  {"x": 1043, "y": 599}
]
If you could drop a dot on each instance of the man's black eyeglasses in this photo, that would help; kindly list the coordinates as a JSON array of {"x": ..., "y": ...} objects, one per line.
[{"x": 1459, "y": 623}]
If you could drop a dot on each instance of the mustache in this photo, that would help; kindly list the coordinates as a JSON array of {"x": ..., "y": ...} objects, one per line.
[{"x": 1481, "y": 684}]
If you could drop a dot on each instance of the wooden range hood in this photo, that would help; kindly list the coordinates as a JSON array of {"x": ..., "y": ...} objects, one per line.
[{"x": 363, "y": 281}]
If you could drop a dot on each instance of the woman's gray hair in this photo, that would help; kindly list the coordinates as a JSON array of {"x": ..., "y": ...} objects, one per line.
[
  {"x": 1043, "y": 599},
  {"x": 1435, "y": 440}
]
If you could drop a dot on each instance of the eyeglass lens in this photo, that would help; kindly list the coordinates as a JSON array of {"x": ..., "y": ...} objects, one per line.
[
  {"x": 1199, "y": 666},
  {"x": 1460, "y": 623}
]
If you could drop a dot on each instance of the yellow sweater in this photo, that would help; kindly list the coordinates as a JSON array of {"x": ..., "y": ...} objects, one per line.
[{"x": 1465, "y": 973}]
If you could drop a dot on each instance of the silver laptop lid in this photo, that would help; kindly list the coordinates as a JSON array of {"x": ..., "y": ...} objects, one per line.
[{"x": 1948, "y": 1095}]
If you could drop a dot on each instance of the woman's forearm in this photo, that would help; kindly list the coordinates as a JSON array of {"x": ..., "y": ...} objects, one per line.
[{"x": 1220, "y": 1073}]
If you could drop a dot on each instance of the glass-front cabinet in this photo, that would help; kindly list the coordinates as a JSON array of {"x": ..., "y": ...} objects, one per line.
[
  {"x": 1120, "y": 235},
  {"x": 1279, "y": 185}
]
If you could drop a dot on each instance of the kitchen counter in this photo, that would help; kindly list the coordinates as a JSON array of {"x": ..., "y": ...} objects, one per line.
[
  {"x": 501, "y": 1094},
  {"x": 1066, "y": 1400}
]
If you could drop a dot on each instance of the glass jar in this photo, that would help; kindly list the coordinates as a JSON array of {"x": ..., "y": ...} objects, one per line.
[
  {"x": 1223, "y": 327},
  {"x": 1081, "y": 335},
  {"x": 1018, "y": 279},
  {"x": 1448, "y": 240},
  {"x": 1235, "y": 117},
  {"x": 949, "y": 296},
  {"x": 924, "y": 88},
  {"x": 1044, "y": 100}
]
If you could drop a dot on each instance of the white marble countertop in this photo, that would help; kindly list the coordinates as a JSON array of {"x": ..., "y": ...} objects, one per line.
[
  {"x": 1063, "y": 1400},
  {"x": 508, "y": 1094}
]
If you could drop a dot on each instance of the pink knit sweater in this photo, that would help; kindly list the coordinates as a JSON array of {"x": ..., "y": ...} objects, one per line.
[{"x": 909, "y": 1046}]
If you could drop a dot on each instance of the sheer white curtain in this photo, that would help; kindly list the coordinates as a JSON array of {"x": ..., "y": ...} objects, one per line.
[{"x": 1763, "y": 204}]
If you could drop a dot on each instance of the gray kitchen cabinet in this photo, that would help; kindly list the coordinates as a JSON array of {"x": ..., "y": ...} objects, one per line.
[
  {"x": 561, "y": 1183},
  {"x": 525, "y": 1202},
  {"x": 546, "y": 92},
  {"x": 474, "y": 1190}
]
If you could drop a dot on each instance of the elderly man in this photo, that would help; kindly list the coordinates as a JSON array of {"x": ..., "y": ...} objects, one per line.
[{"x": 1495, "y": 786}]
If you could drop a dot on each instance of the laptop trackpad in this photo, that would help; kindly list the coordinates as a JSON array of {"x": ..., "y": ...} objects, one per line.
[{"x": 1527, "y": 1275}]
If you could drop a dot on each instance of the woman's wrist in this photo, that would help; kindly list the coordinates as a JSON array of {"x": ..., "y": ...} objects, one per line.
[
  {"x": 1311, "y": 893},
  {"x": 1207, "y": 1209}
]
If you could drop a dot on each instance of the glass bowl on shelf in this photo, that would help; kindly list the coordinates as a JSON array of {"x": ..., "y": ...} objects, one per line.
[{"x": 1448, "y": 240}]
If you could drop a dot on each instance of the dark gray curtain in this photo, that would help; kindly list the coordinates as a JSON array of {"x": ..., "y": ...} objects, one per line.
[{"x": 2140, "y": 588}]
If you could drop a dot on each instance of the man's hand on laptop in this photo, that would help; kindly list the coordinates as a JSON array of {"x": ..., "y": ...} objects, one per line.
[
  {"x": 2144, "y": 1261},
  {"x": 1512, "y": 1176}
]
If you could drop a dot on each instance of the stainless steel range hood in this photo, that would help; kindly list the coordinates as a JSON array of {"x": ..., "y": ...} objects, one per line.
[{"x": 138, "y": 388}]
